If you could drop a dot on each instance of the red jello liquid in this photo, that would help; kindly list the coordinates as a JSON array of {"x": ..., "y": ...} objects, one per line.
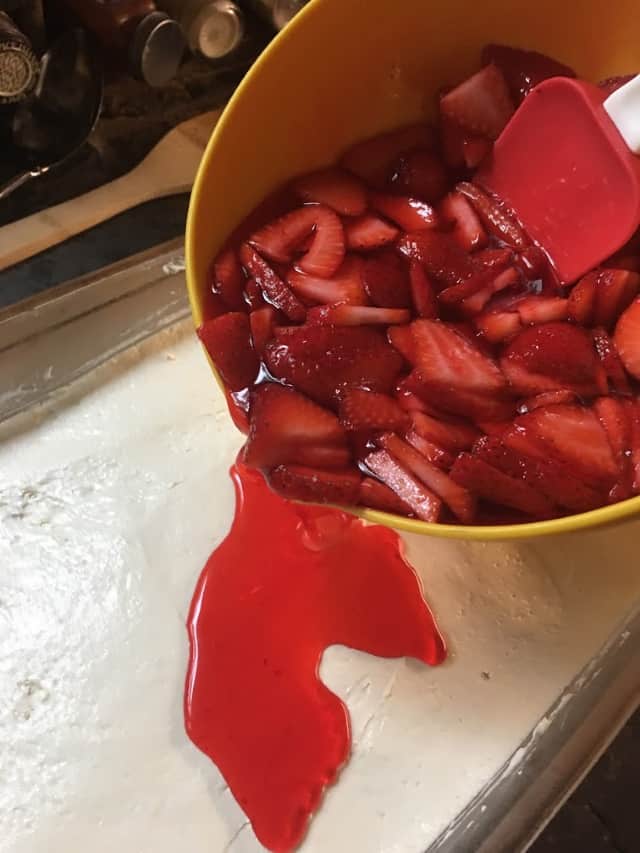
[{"x": 289, "y": 581}]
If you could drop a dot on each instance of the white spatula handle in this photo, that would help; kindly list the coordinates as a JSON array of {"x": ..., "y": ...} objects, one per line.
[{"x": 623, "y": 107}]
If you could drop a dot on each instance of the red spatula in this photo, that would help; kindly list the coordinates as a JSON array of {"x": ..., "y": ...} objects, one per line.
[{"x": 566, "y": 165}]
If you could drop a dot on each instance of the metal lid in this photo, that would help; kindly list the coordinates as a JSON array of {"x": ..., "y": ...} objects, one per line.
[
  {"x": 156, "y": 49},
  {"x": 18, "y": 71},
  {"x": 216, "y": 30}
]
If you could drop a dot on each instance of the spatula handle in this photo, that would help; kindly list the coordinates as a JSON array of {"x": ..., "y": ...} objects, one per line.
[{"x": 623, "y": 107}]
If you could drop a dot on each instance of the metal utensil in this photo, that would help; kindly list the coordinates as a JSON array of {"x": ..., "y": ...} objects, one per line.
[{"x": 56, "y": 121}]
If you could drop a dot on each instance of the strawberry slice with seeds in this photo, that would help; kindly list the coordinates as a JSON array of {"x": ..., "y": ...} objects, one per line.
[
  {"x": 456, "y": 293},
  {"x": 302, "y": 483},
  {"x": 401, "y": 338},
  {"x": 229, "y": 280},
  {"x": 481, "y": 104},
  {"x": 253, "y": 295},
  {"x": 419, "y": 174},
  {"x": 571, "y": 434},
  {"x": 376, "y": 495},
  {"x": 431, "y": 451},
  {"x": 523, "y": 69},
  {"x": 627, "y": 339},
  {"x": 424, "y": 504},
  {"x": 548, "y": 398},
  {"x": 550, "y": 477},
  {"x": 445, "y": 356},
  {"x": 357, "y": 315},
  {"x": 410, "y": 214},
  {"x": 498, "y": 326},
  {"x": 614, "y": 419},
  {"x": 280, "y": 240},
  {"x": 582, "y": 299},
  {"x": 495, "y": 219},
  {"x": 335, "y": 188},
  {"x": 440, "y": 254},
  {"x": 461, "y": 148},
  {"x": 322, "y": 360},
  {"x": 494, "y": 259},
  {"x": 480, "y": 405},
  {"x": 459, "y": 500},
  {"x": 467, "y": 228},
  {"x": 345, "y": 286},
  {"x": 227, "y": 339},
  {"x": 610, "y": 361},
  {"x": 615, "y": 291},
  {"x": 534, "y": 310},
  {"x": 286, "y": 427},
  {"x": 368, "y": 232},
  {"x": 386, "y": 279},
  {"x": 367, "y": 410},
  {"x": 633, "y": 413},
  {"x": 448, "y": 434},
  {"x": 553, "y": 357},
  {"x": 263, "y": 322},
  {"x": 271, "y": 285},
  {"x": 423, "y": 293},
  {"x": 372, "y": 158},
  {"x": 495, "y": 486},
  {"x": 474, "y": 303}
]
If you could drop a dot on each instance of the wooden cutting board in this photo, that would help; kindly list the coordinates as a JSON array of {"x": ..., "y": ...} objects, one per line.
[{"x": 168, "y": 169}]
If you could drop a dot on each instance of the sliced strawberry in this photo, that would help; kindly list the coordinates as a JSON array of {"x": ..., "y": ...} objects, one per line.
[
  {"x": 474, "y": 303},
  {"x": 571, "y": 434},
  {"x": 401, "y": 337},
  {"x": 480, "y": 405},
  {"x": 633, "y": 412},
  {"x": 456, "y": 293},
  {"x": 493, "y": 259},
  {"x": 498, "y": 326},
  {"x": 481, "y": 104},
  {"x": 322, "y": 360},
  {"x": 423, "y": 293},
  {"x": 615, "y": 291},
  {"x": 550, "y": 477},
  {"x": 407, "y": 399},
  {"x": 289, "y": 428},
  {"x": 553, "y": 357},
  {"x": 627, "y": 339},
  {"x": 419, "y": 174},
  {"x": 612, "y": 84},
  {"x": 263, "y": 323},
  {"x": 411, "y": 491},
  {"x": 431, "y": 451},
  {"x": 461, "y": 148},
  {"x": 253, "y": 295},
  {"x": 457, "y": 498},
  {"x": 450, "y": 435},
  {"x": 495, "y": 486},
  {"x": 497, "y": 221},
  {"x": 357, "y": 315},
  {"x": 533, "y": 263},
  {"x": 345, "y": 286},
  {"x": 271, "y": 285},
  {"x": 542, "y": 309},
  {"x": 229, "y": 280},
  {"x": 615, "y": 421},
  {"x": 610, "y": 361},
  {"x": 335, "y": 188},
  {"x": 280, "y": 240},
  {"x": 301, "y": 483},
  {"x": 445, "y": 356},
  {"x": 372, "y": 158},
  {"x": 386, "y": 279},
  {"x": 624, "y": 261},
  {"x": 440, "y": 254},
  {"x": 367, "y": 410},
  {"x": 410, "y": 214},
  {"x": 523, "y": 69},
  {"x": 582, "y": 299},
  {"x": 467, "y": 228},
  {"x": 548, "y": 398},
  {"x": 376, "y": 495},
  {"x": 227, "y": 339},
  {"x": 369, "y": 232}
]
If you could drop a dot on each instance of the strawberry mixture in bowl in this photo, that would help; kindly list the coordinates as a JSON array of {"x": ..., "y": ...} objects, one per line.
[{"x": 389, "y": 337}]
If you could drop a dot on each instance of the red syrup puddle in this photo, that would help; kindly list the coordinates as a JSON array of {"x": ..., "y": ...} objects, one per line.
[{"x": 288, "y": 581}]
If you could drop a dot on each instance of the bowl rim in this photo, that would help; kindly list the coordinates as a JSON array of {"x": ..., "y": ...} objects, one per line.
[{"x": 575, "y": 522}]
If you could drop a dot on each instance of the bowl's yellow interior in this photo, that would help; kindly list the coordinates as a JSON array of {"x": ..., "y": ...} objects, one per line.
[{"x": 347, "y": 69}]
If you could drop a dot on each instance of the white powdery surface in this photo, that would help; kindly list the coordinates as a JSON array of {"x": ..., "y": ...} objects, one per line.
[{"x": 111, "y": 499}]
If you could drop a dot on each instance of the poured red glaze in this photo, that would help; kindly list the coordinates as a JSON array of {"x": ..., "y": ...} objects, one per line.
[{"x": 289, "y": 581}]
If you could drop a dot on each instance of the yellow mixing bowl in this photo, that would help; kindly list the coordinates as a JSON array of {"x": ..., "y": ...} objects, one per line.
[{"x": 348, "y": 69}]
